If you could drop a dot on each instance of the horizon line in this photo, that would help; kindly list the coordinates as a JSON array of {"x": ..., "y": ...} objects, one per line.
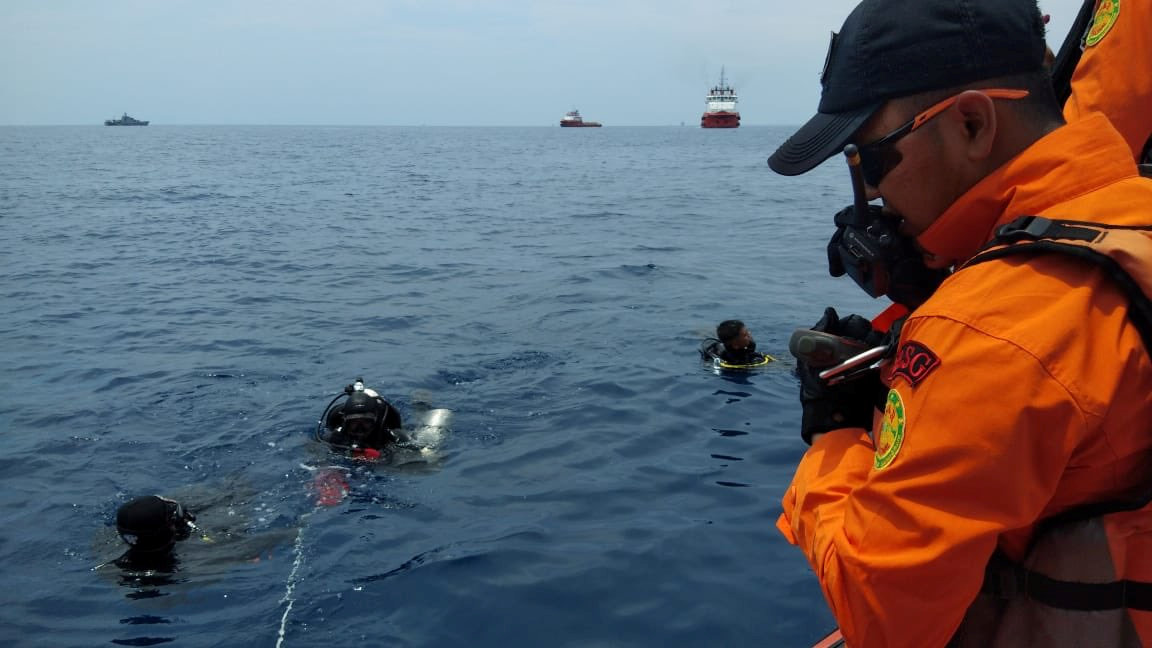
[{"x": 680, "y": 125}]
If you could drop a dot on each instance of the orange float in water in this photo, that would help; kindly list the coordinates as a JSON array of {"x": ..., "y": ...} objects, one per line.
[{"x": 330, "y": 487}]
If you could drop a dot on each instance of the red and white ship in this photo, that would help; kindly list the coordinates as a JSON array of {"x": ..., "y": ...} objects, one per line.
[
  {"x": 573, "y": 119},
  {"x": 721, "y": 111}
]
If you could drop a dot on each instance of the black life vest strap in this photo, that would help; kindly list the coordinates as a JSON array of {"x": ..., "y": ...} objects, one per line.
[
  {"x": 1003, "y": 577},
  {"x": 1034, "y": 234},
  {"x": 1069, "y": 55},
  {"x": 1006, "y": 579}
]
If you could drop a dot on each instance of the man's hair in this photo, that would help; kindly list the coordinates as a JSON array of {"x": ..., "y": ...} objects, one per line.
[
  {"x": 729, "y": 329},
  {"x": 1040, "y": 107}
]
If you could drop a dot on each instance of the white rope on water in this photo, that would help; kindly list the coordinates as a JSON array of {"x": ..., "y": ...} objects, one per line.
[{"x": 290, "y": 584}]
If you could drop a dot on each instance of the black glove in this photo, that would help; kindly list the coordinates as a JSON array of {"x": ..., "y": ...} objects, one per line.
[{"x": 846, "y": 404}]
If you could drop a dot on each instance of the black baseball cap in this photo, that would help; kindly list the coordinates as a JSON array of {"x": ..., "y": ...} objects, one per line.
[{"x": 895, "y": 48}]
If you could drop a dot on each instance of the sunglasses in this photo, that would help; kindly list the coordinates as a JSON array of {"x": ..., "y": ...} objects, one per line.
[{"x": 880, "y": 156}]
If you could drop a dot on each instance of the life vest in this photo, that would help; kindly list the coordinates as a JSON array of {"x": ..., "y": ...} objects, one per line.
[
  {"x": 1065, "y": 591},
  {"x": 713, "y": 350}
]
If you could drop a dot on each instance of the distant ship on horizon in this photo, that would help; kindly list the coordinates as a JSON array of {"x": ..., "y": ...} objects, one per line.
[
  {"x": 572, "y": 119},
  {"x": 125, "y": 120},
  {"x": 721, "y": 111}
]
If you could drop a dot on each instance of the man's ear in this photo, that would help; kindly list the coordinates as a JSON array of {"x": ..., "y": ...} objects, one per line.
[{"x": 976, "y": 114}]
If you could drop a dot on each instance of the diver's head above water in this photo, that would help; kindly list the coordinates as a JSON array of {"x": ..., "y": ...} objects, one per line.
[
  {"x": 735, "y": 336},
  {"x": 363, "y": 421},
  {"x": 152, "y": 524}
]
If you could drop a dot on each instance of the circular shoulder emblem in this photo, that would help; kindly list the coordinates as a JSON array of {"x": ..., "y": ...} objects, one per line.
[
  {"x": 891, "y": 431},
  {"x": 1106, "y": 13}
]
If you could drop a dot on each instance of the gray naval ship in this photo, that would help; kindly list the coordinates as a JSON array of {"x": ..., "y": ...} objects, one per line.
[{"x": 125, "y": 121}]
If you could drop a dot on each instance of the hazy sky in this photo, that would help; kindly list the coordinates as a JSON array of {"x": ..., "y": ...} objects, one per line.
[{"x": 413, "y": 62}]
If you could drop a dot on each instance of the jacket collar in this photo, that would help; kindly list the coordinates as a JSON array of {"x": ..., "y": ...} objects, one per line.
[{"x": 1031, "y": 183}]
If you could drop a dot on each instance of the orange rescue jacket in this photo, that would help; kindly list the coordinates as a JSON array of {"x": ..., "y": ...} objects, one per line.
[
  {"x": 1020, "y": 390},
  {"x": 1114, "y": 75},
  {"x": 1068, "y": 591}
]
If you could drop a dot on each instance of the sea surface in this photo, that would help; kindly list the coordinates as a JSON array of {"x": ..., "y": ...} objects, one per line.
[{"x": 181, "y": 303}]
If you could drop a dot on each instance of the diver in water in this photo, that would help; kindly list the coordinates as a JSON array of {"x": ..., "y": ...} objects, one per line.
[
  {"x": 151, "y": 526},
  {"x": 364, "y": 423},
  {"x": 732, "y": 345},
  {"x": 219, "y": 535}
]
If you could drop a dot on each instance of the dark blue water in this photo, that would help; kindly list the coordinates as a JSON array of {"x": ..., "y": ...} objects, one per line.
[{"x": 180, "y": 303}]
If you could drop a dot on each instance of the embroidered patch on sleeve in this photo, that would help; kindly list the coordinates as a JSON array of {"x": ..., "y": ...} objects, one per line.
[
  {"x": 891, "y": 436},
  {"x": 914, "y": 362},
  {"x": 1106, "y": 14}
]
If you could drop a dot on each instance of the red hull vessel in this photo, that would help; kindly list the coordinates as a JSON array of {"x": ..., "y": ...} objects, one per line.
[
  {"x": 573, "y": 119},
  {"x": 720, "y": 120},
  {"x": 721, "y": 111}
]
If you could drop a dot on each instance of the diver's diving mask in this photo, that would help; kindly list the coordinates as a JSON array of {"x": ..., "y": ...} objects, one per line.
[{"x": 359, "y": 426}]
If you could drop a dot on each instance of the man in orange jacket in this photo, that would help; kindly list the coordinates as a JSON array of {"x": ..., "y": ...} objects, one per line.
[{"x": 1021, "y": 390}]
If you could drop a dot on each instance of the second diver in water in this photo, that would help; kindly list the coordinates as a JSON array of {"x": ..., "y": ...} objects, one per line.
[
  {"x": 365, "y": 423},
  {"x": 151, "y": 526}
]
